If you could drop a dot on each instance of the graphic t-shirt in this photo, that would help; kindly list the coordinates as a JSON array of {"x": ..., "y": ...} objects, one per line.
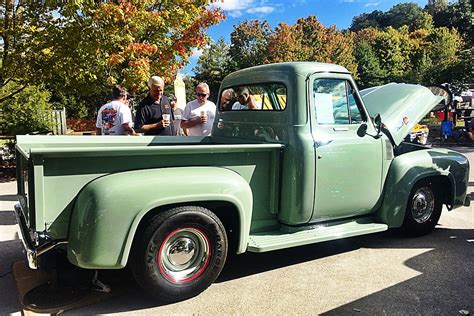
[{"x": 111, "y": 116}]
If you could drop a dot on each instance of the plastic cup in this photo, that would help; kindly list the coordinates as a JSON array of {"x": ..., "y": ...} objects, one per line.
[{"x": 204, "y": 116}]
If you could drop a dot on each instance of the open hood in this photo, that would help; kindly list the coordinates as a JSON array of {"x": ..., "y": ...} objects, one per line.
[{"x": 401, "y": 106}]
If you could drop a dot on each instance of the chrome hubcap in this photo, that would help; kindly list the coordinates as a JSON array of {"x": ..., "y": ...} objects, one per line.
[
  {"x": 422, "y": 205},
  {"x": 184, "y": 255}
]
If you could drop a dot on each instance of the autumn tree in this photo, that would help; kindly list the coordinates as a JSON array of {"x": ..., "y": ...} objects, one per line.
[
  {"x": 82, "y": 48},
  {"x": 283, "y": 45},
  {"x": 309, "y": 40}
]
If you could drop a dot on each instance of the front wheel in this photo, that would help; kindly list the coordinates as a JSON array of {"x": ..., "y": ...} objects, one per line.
[
  {"x": 180, "y": 254},
  {"x": 423, "y": 209}
]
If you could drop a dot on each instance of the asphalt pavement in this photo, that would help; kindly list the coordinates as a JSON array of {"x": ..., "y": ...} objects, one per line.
[{"x": 385, "y": 273}]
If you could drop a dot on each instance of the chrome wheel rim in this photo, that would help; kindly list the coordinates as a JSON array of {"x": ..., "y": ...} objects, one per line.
[
  {"x": 422, "y": 205},
  {"x": 184, "y": 255}
]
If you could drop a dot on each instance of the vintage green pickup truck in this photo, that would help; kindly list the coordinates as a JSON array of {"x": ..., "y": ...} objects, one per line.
[{"x": 304, "y": 158}]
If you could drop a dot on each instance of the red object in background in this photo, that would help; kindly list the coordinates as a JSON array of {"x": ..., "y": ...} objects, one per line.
[
  {"x": 81, "y": 125},
  {"x": 440, "y": 115}
]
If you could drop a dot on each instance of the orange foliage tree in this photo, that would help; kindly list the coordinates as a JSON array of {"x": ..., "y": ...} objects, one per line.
[
  {"x": 309, "y": 40},
  {"x": 140, "y": 38},
  {"x": 82, "y": 48}
]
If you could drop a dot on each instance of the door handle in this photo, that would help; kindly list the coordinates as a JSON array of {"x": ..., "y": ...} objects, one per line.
[{"x": 340, "y": 129}]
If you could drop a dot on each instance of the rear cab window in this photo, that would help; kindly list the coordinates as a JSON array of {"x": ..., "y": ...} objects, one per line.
[{"x": 254, "y": 97}]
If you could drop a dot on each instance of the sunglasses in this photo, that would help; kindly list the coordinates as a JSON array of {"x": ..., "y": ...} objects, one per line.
[{"x": 201, "y": 94}]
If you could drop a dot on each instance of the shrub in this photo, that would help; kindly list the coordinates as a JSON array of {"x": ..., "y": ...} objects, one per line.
[{"x": 28, "y": 111}]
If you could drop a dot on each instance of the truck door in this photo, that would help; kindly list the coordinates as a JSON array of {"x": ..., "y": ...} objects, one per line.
[{"x": 348, "y": 162}]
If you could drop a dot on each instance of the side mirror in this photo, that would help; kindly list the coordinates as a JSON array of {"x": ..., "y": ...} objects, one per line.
[
  {"x": 378, "y": 122},
  {"x": 362, "y": 130}
]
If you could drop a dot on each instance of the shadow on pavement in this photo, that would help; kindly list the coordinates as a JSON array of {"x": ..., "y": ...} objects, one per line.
[
  {"x": 7, "y": 218},
  {"x": 444, "y": 287},
  {"x": 11, "y": 252},
  {"x": 9, "y": 197}
]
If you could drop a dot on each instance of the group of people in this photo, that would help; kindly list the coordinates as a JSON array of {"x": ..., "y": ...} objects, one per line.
[
  {"x": 245, "y": 100},
  {"x": 157, "y": 114}
]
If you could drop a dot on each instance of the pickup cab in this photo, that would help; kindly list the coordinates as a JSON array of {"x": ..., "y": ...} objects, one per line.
[{"x": 303, "y": 158}]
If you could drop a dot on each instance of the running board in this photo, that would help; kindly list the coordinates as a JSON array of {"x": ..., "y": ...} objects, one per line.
[{"x": 274, "y": 240}]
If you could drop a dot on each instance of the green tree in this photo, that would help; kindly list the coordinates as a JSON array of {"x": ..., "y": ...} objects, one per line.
[
  {"x": 374, "y": 19},
  {"x": 27, "y": 111},
  {"x": 369, "y": 71},
  {"x": 458, "y": 15},
  {"x": 248, "y": 45},
  {"x": 213, "y": 65},
  {"x": 392, "y": 49},
  {"x": 408, "y": 13},
  {"x": 441, "y": 63},
  {"x": 460, "y": 73}
]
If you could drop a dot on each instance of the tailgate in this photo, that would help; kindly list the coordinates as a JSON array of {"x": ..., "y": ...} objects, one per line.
[{"x": 24, "y": 177}]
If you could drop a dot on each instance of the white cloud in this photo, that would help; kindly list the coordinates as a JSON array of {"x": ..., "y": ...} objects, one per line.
[
  {"x": 233, "y": 5},
  {"x": 372, "y": 4},
  {"x": 196, "y": 52},
  {"x": 261, "y": 10},
  {"x": 237, "y": 8},
  {"x": 235, "y": 14}
]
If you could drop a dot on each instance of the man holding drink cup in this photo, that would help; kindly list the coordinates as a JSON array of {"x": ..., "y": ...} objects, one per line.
[
  {"x": 154, "y": 114},
  {"x": 199, "y": 114}
]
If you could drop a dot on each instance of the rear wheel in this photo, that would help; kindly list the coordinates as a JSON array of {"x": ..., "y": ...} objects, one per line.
[
  {"x": 180, "y": 254},
  {"x": 423, "y": 209}
]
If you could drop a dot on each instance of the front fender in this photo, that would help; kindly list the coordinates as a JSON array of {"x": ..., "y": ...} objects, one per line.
[
  {"x": 109, "y": 209},
  {"x": 407, "y": 169}
]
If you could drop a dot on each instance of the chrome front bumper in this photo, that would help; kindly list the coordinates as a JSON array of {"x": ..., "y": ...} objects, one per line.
[{"x": 32, "y": 251}]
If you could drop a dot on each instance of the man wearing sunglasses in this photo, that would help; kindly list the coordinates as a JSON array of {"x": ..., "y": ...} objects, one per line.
[{"x": 199, "y": 114}]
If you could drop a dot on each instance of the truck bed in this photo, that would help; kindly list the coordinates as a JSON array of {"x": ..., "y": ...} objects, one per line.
[{"x": 52, "y": 170}]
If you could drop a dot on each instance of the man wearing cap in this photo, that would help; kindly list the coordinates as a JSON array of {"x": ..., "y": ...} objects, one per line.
[{"x": 154, "y": 114}]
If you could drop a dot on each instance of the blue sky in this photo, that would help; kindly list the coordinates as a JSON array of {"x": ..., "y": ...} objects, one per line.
[{"x": 328, "y": 12}]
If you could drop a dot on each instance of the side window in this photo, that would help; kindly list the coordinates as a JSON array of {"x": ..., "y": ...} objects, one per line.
[
  {"x": 335, "y": 102},
  {"x": 331, "y": 101},
  {"x": 260, "y": 97}
]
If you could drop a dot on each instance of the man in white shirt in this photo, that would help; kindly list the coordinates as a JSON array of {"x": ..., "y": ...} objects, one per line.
[
  {"x": 115, "y": 117},
  {"x": 198, "y": 115}
]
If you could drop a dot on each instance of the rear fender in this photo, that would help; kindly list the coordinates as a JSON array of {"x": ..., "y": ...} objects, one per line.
[
  {"x": 407, "y": 169},
  {"x": 108, "y": 210}
]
